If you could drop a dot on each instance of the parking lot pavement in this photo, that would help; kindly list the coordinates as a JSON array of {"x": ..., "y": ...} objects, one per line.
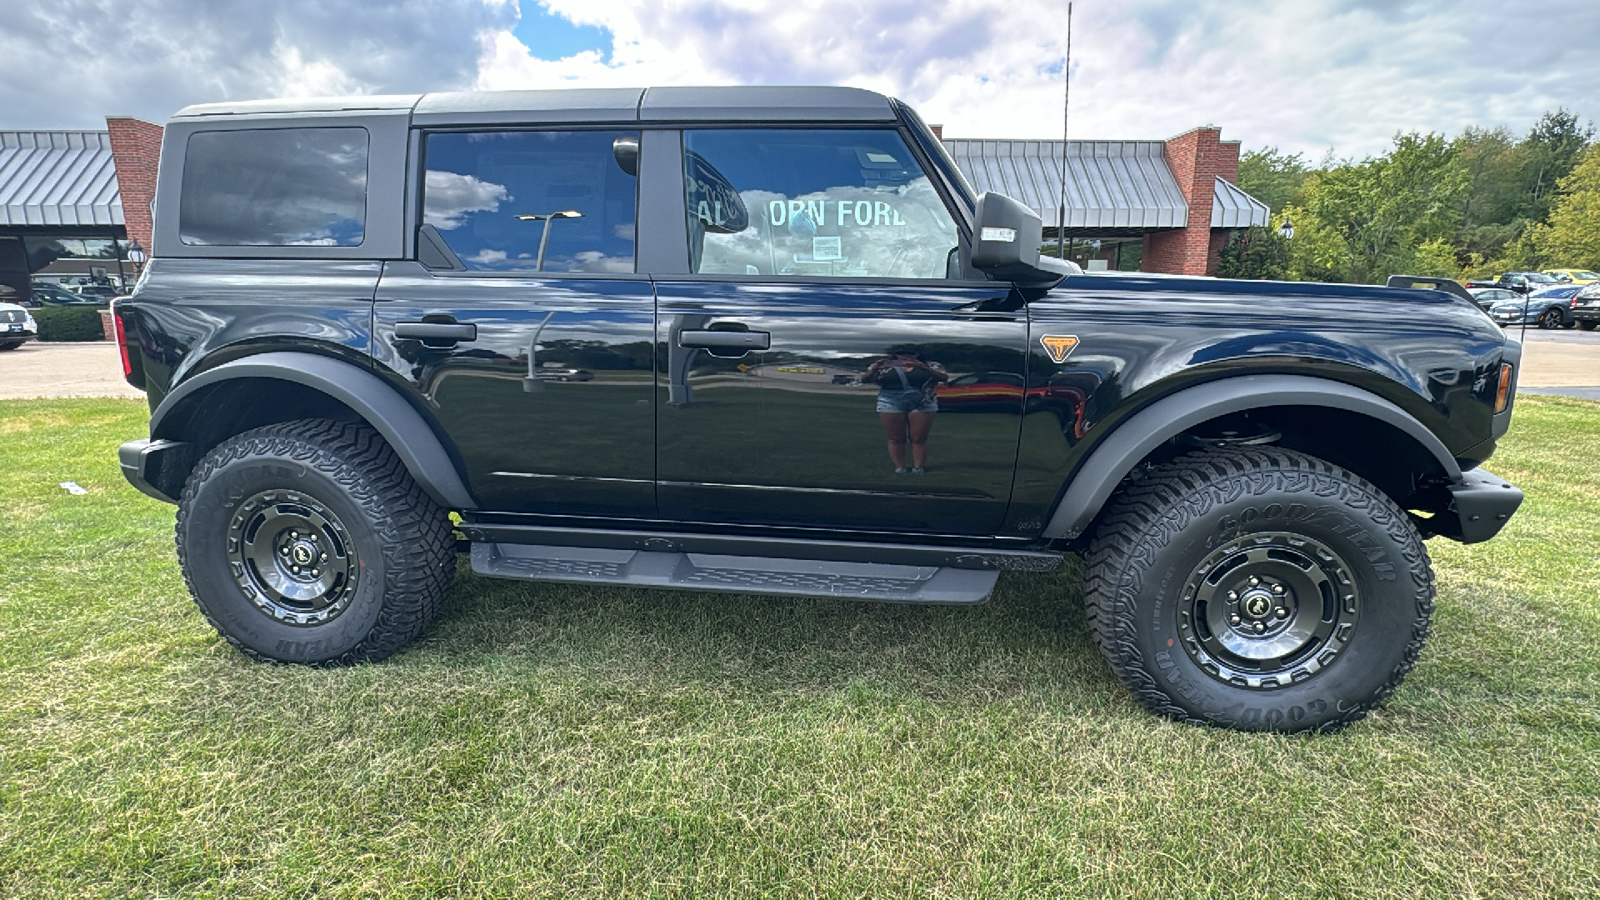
[
  {"x": 1559, "y": 361},
  {"x": 63, "y": 370}
]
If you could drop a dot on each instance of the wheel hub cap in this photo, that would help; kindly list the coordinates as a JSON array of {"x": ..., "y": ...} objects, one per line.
[
  {"x": 292, "y": 557},
  {"x": 1268, "y": 610}
]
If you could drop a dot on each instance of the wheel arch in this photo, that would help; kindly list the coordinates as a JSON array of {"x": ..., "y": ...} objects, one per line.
[
  {"x": 228, "y": 399},
  {"x": 1308, "y": 406}
]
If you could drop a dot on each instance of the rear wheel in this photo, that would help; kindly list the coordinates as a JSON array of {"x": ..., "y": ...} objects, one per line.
[
  {"x": 309, "y": 542},
  {"x": 1258, "y": 589},
  {"x": 1587, "y": 324}
]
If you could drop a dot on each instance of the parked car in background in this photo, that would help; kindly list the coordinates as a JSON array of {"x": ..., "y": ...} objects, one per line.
[
  {"x": 1586, "y": 307},
  {"x": 1573, "y": 276},
  {"x": 1520, "y": 282},
  {"x": 16, "y": 324},
  {"x": 1486, "y": 298},
  {"x": 1551, "y": 308},
  {"x": 45, "y": 294},
  {"x": 98, "y": 293}
]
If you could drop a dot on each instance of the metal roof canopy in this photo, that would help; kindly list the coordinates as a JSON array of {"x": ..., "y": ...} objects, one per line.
[
  {"x": 56, "y": 178},
  {"x": 1114, "y": 188}
]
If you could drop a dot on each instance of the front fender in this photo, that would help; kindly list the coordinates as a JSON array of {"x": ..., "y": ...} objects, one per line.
[{"x": 1118, "y": 454}]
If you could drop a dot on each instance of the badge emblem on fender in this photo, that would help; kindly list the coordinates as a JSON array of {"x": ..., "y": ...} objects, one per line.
[{"x": 1059, "y": 346}]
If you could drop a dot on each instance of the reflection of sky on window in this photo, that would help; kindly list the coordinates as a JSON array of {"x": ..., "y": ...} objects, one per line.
[
  {"x": 825, "y": 202},
  {"x": 282, "y": 186},
  {"x": 477, "y": 184}
]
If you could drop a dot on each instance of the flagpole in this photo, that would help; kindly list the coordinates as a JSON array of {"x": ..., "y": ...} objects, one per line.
[{"x": 1066, "y": 112}]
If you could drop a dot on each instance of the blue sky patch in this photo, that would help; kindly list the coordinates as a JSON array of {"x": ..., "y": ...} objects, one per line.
[{"x": 550, "y": 36}]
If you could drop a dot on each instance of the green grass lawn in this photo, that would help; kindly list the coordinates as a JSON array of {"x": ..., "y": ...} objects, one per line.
[{"x": 562, "y": 741}]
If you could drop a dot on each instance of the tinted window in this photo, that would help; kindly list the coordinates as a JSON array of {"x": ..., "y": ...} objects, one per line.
[
  {"x": 280, "y": 186},
  {"x": 495, "y": 197},
  {"x": 829, "y": 202}
]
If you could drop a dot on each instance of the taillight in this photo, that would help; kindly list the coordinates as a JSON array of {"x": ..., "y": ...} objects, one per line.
[
  {"x": 1502, "y": 398},
  {"x": 122, "y": 348}
]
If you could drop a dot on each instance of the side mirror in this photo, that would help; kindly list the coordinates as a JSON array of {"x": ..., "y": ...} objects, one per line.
[{"x": 1006, "y": 241}]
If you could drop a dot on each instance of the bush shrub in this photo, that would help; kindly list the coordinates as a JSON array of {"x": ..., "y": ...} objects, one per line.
[{"x": 68, "y": 323}]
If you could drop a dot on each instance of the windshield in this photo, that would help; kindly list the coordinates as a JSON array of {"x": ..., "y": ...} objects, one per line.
[{"x": 1541, "y": 278}]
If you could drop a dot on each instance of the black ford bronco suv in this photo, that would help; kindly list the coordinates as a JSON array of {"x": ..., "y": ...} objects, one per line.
[{"x": 769, "y": 341}]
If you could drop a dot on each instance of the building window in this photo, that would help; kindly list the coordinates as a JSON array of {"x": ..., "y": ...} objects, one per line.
[
  {"x": 813, "y": 202},
  {"x": 275, "y": 187}
]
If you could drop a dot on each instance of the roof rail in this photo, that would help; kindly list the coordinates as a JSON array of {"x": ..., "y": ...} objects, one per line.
[{"x": 1426, "y": 282}]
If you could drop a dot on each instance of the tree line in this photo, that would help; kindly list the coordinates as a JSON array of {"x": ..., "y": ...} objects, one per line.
[{"x": 1483, "y": 202}]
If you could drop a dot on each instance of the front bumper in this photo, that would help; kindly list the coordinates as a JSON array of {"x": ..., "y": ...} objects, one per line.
[
  {"x": 1480, "y": 505},
  {"x": 155, "y": 467}
]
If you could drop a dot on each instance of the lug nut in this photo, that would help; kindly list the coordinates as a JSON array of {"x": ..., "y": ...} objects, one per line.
[
  {"x": 1254, "y": 581},
  {"x": 294, "y": 534},
  {"x": 316, "y": 573},
  {"x": 1234, "y": 620},
  {"x": 1282, "y": 613},
  {"x": 1233, "y": 595},
  {"x": 1277, "y": 589},
  {"x": 324, "y": 557},
  {"x": 295, "y": 569},
  {"x": 313, "y": 537},
  {"x": 1260, "y": 627},
  {"x": 284, "y": 551}
]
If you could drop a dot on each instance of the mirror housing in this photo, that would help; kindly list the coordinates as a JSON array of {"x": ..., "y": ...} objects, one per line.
[{"x": 1005, "y": 242}]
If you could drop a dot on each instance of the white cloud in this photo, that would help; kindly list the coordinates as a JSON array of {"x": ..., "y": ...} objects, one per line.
[{"x": 1305, "y": 75}]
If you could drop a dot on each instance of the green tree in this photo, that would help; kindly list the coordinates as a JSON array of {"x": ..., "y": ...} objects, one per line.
[
  {"x": 1276, "y": 179},
  {"x": 1572, "y": 237},
  {"x": 1383, "y": 207},
  {"x": 1255, "y": 252},
  {"x": 1551, "y": 151}
]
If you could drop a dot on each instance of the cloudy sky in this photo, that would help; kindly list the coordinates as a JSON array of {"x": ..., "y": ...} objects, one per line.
[{"x": 1304, "y": 75}]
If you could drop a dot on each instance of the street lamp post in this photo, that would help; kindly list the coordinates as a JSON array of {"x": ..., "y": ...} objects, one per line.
[
  {"x": 1287, "y": 231},
  {"x": 137, "y": 256},
  {"x": 544, "y": 238}
]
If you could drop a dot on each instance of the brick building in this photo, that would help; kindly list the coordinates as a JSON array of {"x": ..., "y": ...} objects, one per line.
[{"x": 1177, "y": 199}]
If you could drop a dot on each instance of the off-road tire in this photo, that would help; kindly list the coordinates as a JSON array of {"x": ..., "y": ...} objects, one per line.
[
  {"x": 1286, "y": 512},
  {"x": 338, "y": 478}
]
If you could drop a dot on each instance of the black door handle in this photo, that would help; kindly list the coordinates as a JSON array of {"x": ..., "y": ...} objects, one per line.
[
  {"x": 446, "y": 332},
  {"x": 726, "y": 340}
]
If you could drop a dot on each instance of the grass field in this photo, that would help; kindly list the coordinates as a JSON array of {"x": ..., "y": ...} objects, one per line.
[{"x": 558, "y": 741}]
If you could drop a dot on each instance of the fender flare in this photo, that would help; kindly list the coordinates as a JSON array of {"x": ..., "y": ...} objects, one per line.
[
  {"x": 413, "y": 440},
  {"x": 1134, "y": 439}
]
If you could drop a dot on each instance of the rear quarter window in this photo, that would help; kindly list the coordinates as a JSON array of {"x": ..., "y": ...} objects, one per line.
[{"x": 275, "y": 187}]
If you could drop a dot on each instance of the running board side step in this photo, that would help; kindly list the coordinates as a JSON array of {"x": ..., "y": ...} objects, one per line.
[{"x": 735, "y": 574}]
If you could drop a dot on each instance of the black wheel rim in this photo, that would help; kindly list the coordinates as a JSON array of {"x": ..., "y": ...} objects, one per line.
[
  {"x": 1269, "y": 610},
  {"x": 292, "y": 557}
]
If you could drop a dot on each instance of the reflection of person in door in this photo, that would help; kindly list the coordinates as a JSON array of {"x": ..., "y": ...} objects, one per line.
[{"x": 906, "y": 403}]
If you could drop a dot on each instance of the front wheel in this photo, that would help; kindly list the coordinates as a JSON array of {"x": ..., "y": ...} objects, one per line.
[
  {"x": 309, "y": 542},
  {"x": 1258, "y": 589},
  {"x": 1550, "y": 318}
]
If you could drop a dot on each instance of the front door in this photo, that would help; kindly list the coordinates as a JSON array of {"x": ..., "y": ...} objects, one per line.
[
  {"x": 523, "y": 329},
  {"x": 826, "y": 365}
]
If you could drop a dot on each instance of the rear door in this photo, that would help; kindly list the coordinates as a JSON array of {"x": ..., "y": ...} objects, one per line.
[
  {"x": 815, "y": 252},
  {"x": 523, "y": 327}
]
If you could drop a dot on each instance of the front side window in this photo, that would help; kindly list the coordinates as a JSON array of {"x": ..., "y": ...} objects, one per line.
[
  {"x": 813, "y": 202},
  {"x": 275, "y": 187},
  {"x": 541, "y": 201}
]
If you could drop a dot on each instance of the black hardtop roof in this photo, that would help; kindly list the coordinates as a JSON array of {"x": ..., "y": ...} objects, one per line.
[{"x": 643, "y": 105}]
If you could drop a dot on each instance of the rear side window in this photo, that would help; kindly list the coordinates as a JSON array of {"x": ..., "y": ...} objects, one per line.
[
  {"x": 813, "y": 202},
  {"x": 534, "y": 201},
  {"x": 275, "y": 187}
]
